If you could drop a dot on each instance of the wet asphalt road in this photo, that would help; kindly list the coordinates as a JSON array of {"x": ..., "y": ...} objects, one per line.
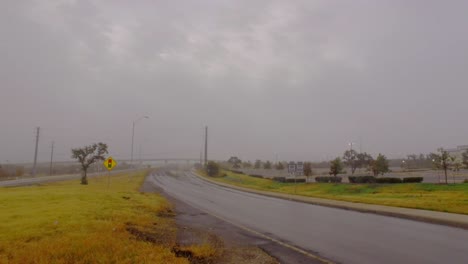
[{"x": 339, "y": 235}]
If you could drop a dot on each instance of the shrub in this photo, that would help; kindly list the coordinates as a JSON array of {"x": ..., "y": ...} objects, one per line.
[
  {"x": 279, "y": 179},
  {"x": 412, "y": 179},
  {"x": 389, "y": 180},
  {"x": 335, "y": 179},
  {"x": 328, "y": 179},
  {"x": 256, "y": 176},
  {"x": 212, "y": 169},
  {"x": 362, "y": 179},
  {"x": 292, "y": 180},
  {"x": 322, "y": 179},
  {"x": 465, "y": 181}
]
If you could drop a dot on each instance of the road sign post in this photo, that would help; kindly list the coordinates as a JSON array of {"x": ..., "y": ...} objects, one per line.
[
  {"x": 292, "y": 167},
  {"x": 300, "y": 168},
  {"x": 110, "y": 164},
  {"x": 299, "y": 172}
]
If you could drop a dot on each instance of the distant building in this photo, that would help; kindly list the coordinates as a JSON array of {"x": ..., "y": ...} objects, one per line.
[{"x": 457, "y": 152}]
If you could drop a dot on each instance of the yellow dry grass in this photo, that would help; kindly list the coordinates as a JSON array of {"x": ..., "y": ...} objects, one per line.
[{"x": 66, "y": 222}]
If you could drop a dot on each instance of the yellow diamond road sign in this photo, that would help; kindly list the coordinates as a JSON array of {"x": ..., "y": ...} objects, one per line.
[{"x": 110, "y": 163}]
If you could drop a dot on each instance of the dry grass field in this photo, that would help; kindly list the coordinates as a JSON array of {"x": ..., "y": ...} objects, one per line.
[{"x": 66, "y": 222}]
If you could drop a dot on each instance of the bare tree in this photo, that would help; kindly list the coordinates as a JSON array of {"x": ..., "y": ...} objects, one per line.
[
  {"x": 279, "y": 166},
  {"x": 465, "y": 158},
  {"x": 350, "y": 159},
  {"x": 443, "y": 161},
  {"x": 308, "y": 170},
  {"x": 257, "y": 164},
  {"x": 87, "y": 155},
  {"x": 379, "y": 165},
  {"x": 336, "y": 167}
]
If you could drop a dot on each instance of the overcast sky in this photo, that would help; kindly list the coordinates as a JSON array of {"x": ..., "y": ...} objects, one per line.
[{"x": 297, "y": 78}]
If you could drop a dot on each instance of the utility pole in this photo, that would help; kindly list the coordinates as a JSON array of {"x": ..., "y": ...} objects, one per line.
[
  {"x": 51, "y": 158},
  {"x": 35, "y": 152},
  {"x": 206, "y": 145},
  {"x": 133, "y": 136}
]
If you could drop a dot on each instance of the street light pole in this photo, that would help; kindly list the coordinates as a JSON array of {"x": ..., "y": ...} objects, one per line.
[{"x": 133, "y": 136}]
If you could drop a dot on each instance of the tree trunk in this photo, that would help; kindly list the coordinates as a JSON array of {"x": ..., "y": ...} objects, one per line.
[
  {"x": 446, "y": 179},
  {"x": 84, "y": 179}
]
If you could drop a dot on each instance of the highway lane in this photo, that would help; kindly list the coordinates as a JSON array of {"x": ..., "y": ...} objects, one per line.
[
  {"x": 55, "y": 178},
  {"x": 339, "y": 235}
]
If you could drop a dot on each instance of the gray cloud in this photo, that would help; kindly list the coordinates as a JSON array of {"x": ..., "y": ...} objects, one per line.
[{"x": 297, "y": 78}]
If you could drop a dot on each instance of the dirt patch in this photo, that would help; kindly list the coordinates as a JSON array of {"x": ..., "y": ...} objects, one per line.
[
  {"x": 248, "y": 255},
  {"x": 158, "y": 233},
  {"x": 194, "y": 257},
  {"x": 218, "y": 251},
  {"x": 168, "y": 212}
]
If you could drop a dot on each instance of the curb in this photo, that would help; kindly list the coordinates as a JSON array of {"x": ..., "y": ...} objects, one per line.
[{"x": 432, "y": 217}]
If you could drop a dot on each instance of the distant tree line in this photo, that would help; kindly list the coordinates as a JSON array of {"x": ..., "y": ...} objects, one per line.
[
  {"x": 376, "y": 166},
  {"x": 8, "y": 171}
]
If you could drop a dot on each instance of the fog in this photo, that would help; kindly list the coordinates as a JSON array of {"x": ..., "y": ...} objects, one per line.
[{"x": 293, "y": 79}]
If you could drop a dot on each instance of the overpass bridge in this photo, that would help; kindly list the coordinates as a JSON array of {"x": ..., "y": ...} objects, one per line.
[{"x": 162, "y": 160}]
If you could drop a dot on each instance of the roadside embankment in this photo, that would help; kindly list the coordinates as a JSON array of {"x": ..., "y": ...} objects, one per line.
[{"x": 441, "y": 204}]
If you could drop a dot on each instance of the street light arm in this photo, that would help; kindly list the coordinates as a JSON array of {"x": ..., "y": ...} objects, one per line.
[{"x": 141, "y": 118}]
